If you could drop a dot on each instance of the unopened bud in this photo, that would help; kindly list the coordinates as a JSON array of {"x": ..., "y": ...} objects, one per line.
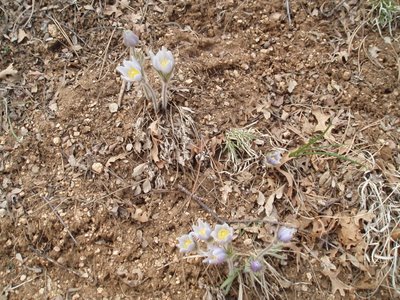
[{"x": 130, "y": 39}]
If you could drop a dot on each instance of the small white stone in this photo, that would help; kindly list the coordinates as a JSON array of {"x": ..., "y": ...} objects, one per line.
[
  {"x": 3, "y": 212},
  {"x": 23, "y": 277},
  {"x": 56, "y": 140},
  {"x": 97, "y": 167},
  {"x": 129, "y": 147},
  {"x": 35, "y": 169},
  {"x": 113, "y": 107}
]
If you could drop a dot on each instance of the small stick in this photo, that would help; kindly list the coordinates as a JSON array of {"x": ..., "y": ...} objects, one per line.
[
  {"x": 106, "y": 52},
  {"x": 288, "y": 12},
  {"x": 121, "y": 93},
  {"x": 38, "y": 253},
  {"x": 200, "y": 201},
  {"x": 60, "y": 219}
]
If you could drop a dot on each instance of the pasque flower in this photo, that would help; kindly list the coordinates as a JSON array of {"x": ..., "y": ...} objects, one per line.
[
  {"x": 130, "y": 38},
  {"x": 186, "y": 243},
  {"x": 163, "y": 62},
  {"x": 222, "y": 233},
  {"x": 202, "y": 230},
  {"x": 274, "y": 158},
  {"x": 215, "y": 256},
  {"x": 130, "y": 70}
]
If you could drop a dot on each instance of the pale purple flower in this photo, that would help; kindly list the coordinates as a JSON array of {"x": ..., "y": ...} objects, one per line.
[
  {"x": 285, "y": 234},
  {"x": 256, "y": 266},
  {"x": 202, "y": 230},
  {"x": 186, "y": 243},
  {"x": 163, "y": 61},
  {"x": 130, "y": 38},
  {"x": 274, "y": 158},
  {"x": 131, "y": 70},
  {"x": 215, "y": 256},
  {"x": 222, "y": 233}
]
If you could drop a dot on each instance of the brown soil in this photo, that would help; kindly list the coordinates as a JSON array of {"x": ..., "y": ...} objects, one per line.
[{"x": 238, "y": 64}]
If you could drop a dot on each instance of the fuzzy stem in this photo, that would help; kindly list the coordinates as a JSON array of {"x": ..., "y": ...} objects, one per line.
[
  {"x": 148, "y": 90},
  {"x": 164, "y": 98}
]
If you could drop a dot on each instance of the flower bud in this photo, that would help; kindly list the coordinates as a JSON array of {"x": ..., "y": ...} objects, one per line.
[
  {"x": 274, "y": 158},
  {"x": 256, "y": 266},
  {"x": 285, "y": 234},
  {"x": 130, "y": 39}
]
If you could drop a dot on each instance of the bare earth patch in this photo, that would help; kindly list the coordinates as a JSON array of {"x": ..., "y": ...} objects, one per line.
[{"x": 91, "y": 197}]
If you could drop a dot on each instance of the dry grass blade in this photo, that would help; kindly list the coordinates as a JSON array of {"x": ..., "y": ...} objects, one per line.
[
  {"x": 60, "y": 219},
  {"x": 383, "y": 246},
  {"x": 105, "y": 55},
  {"x": 64, "y": 34}
]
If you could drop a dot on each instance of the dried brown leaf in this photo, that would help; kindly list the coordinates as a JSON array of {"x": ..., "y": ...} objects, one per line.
[
  {"x": 9, "y": 71},
  {"x": 322, "y": 118},
  {"x": 114, "y": 159},
  {"x": 337, "y": 284}
]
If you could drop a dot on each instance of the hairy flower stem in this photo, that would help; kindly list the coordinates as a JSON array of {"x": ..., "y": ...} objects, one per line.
[
  {"x": 164, "y": 97},
  {"x": 149, "y": 93}
]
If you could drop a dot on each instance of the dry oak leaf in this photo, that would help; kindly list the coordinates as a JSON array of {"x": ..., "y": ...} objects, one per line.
[
  {"x": 337, "y": 284},
  {"x": 322, "y": 118},
  {"x": 9, "y": 71},
  {"x": 349, "y": 233}
]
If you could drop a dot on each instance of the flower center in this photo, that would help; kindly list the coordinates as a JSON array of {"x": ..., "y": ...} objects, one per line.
[
  {"x": 164, "y": 62},
  {"x": 187, "y": 243},
  {"x": 132, "y": 72},
  {"x": 223, "y": 233},
  {"x": 202, "y": 232}
]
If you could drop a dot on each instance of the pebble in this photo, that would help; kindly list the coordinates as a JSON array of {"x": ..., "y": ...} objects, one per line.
[
  {"x": 56, "y": 140},
  {"x": 113, "y": 107},
  {"x": 35, "y": 169},
  {"x": 346, "y": 75},
  {"x": 97, "y": 167}
]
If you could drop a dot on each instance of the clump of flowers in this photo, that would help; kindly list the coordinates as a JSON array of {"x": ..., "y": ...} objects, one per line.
[
  {"x": 214, "y": 245},
  {"x": 132, "y": 70},
  {"x": 216, "y": 241}
]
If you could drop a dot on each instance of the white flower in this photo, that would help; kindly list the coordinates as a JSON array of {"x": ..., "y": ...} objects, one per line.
[
  {"x": 285, "y": 234},
  {"x": 274, "y": 158},
  {"x": 186, "y": 243},
  {"x": 222, "y": 233},
  {"x": 202, "y": 231},
  {"x": 131, "y": 70},
  {"x": 163, "y": 61},
  {"x": 215, "y": 256}
]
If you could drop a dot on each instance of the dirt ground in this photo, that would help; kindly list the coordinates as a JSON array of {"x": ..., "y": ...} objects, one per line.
[{"x": 91, "y": 198}]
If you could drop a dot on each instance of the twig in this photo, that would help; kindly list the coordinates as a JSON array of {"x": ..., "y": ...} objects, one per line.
[
  {"x": 106, "y": 52},
  {"x": 60, "y": 219},
  {"x": 200, "y": 201},
  {"x": 121, "y": 93},
  {"x": 288, "y": 12},
  {"x": 38, "y": 253},
  {"x": 30, "y": 16},
  {"x": 65, "y": 35}
]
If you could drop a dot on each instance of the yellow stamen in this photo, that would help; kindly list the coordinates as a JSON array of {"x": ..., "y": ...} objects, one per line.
[
  {"x": 132, "y": 72},
  {"x": 223, "y": 233},
  {"x": 187, "y": 243},
  {"x": 202, "y": 231},
  {"x": 164, "y": 62}
]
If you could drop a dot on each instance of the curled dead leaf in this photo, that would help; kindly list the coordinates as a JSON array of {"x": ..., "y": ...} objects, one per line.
[{"x": 9, "y": 71}]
